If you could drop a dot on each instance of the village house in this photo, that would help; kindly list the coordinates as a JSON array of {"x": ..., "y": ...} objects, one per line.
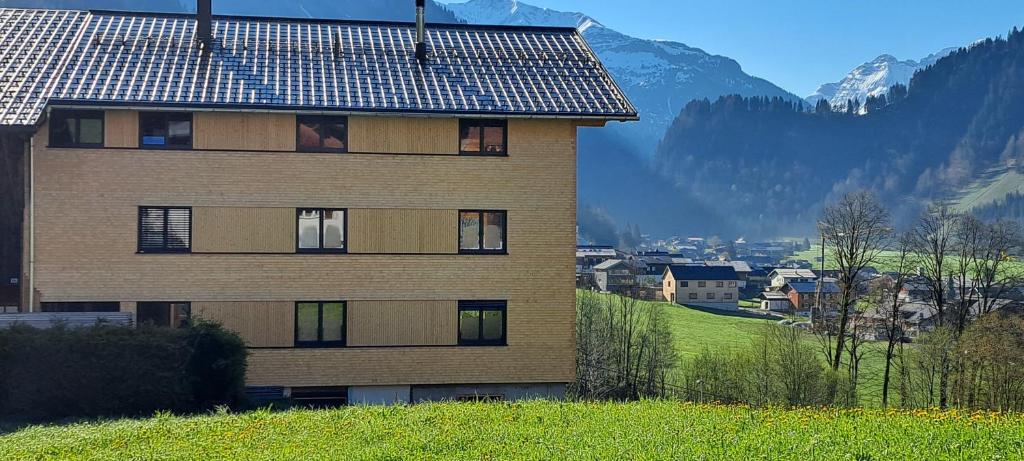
[
  {"x": 775, "y": 301},
  {"x": 706, "y": 286},
  {"x": 588, "y": 256},
  {"x": 779, "y": 277},
  {"x": 804, "y": 295},
  {"x": 384, "y": 212}
]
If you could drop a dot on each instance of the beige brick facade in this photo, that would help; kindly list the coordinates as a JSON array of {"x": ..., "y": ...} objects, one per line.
[{"x": 86, "y": 212}]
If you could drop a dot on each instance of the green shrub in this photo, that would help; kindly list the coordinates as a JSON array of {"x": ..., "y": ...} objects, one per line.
[{"x": 107, "y": 370}]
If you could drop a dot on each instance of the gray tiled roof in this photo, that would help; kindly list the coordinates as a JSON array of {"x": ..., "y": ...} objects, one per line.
[{"x": 143, "y": 59}]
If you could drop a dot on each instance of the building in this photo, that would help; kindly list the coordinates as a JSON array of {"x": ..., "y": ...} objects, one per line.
[
  {"x": 775, "y": 301},
  {"x": 615, "y": 276},
  {"x": 588, "y": 256},
  {"x": 741, "y": 267},
  {"x": 706, "y": 286},
  {"x": 804, "y": 295},
  {"x": 779, "y": 277},
  {"x": 381, "y": 218}
]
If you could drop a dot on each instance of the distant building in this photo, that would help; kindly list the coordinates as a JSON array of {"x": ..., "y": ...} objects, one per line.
[
  {"x": 614, "y": 276},
  {"x": 588, "y": 256},
  {"x": 707, "y": 286},
  {"x": 804, "y": 295},
  {"x": 778, "y": 278},
  {"x": 775, "y": 301}
]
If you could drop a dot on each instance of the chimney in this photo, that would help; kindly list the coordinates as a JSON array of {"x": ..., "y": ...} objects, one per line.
[
  {"x": 421, "y": 45},
  {"x": 204, "y": 26}
]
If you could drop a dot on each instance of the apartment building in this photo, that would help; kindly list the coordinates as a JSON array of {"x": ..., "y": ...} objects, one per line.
[
  {"x": 385, "y": 212},
  {"x": 706, "y": 286}
]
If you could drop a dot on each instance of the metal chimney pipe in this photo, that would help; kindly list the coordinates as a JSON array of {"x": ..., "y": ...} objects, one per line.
[
  {"x": 421, "y": 45},
  {"x": 204, "y": 22}
]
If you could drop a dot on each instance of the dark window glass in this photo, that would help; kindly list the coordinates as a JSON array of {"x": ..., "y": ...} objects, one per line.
[
  {"x": 165, "y": 230},
  {"x": 693, "y": 295},
  {"x": 76, "y": 128},
  {"x": 482, "y": 231},
  {"x": 482, "y": 323},
  {"x": 161, "y": 314},
  {"x": 320, "y": 324},
  {"x": 166, "y": 130},
  {"x": 320, "y": 230},
  {"x": 483, "y": 137},
  {"x": 93, "y": 306},
  {"x": 719, "y": 283},
  {"x": 321, "y": 134}
]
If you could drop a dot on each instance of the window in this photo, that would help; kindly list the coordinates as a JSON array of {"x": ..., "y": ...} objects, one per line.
[
  {"x": 320, "y": 324},
  {"x": 165, "y": 230},
  {"x": 702, "y": 284},
  {"x": 693, "y": 295},
  {"x": 483, "y": 137},
  {"x": 732, "y": 284},
  {"x": 720, "y": 284},
  {"x": 711, "y": 295},
  {"x": 173, "y": 315},
  {"x": 728, "y": 296},
  {"x": 76, "y": 128},
  {"x": 165, "y": 130},
  {"x": 99, "y": 306},
  {"x": 320, "y": 230},
  {"x": 482, "y": 232},
  {"x": 321, "y": 134},
  {"x": 482, "y": 323},
  {"x": 685, "y": 283}
]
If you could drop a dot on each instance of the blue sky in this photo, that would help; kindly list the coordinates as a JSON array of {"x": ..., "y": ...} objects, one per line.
[{"x": 799, "y": 44}]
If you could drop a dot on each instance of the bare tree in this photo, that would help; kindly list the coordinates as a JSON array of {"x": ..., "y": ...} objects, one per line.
[
  {"x": 892, "y": 301},
  {"x": 994, "y": 278},
  {"x": 934, "y": 241},
  {"x": 855, "y": 230}
]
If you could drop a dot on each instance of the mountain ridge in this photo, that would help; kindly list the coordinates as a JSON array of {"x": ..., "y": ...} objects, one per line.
[{"x": 874, "y": 78}]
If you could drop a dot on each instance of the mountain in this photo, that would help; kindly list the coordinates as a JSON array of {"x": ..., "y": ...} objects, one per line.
[
  {"x": 660, "y": 77},
  {"x": 873, "y": 78},
  {"x": 773, "y": 166},
  {"x": 388, "y": 10}
]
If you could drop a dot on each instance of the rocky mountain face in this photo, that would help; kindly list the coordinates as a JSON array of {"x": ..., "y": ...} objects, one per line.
[{"x": 873, "y": 78}]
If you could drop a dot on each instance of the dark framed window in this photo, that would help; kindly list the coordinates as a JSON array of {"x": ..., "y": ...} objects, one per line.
[
  {"x": 318, "y": 133},
  {"x": 163, "y": 314},
  {"x": 320, "y": 324},
  {"x": 89, "y": 306},
  {"x": 482, "y": 323},
  {"x": 728, "y": 296},
  {"x": 711, "y": 295},
  {"x": 76, "y": 128},
  {"x": 719, "y": 284},
  {"x": 165, "y": 130},
  {"x": 702, "y": 284},
  {"x": 483, "y": 137},
  {"x": 693, "y": 295},
  {"x": 482, "y": 232},
  {"x": 321, "y": 230},
  {"x": 165, "y": 229},
  {"x": 685, "y": 283}
]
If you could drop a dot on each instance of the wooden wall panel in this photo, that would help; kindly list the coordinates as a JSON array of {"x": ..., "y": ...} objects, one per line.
[
  {"x": 121, "y": 128},
  {"x": 402, "y": 323},
  {"x": 259, "y": 323},
  {"x": 403, "y": 230},
  {"x": 404, "y": 135},
  {"x": 243, "y": 230},
  {"x": 254, "y": 131}
]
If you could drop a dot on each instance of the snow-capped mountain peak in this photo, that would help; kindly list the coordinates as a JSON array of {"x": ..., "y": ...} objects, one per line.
[{"x": 873, "y": 78}]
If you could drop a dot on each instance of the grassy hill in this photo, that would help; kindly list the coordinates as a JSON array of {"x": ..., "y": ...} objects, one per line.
[
  {"x": 534, "y": 430},
  {"x": 991, "y": 186},
  {"x": 694, "y": 330}
]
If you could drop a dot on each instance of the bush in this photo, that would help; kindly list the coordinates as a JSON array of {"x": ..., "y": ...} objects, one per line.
[{"x": 117, "y": 371}]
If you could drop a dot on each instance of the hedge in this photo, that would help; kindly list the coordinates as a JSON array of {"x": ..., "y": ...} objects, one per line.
[{"x": 61, "y": 372}]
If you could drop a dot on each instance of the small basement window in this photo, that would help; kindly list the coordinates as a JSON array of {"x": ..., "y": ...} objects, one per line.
[
  {"x": 482, "y": 232},
  {"x": 163, "y": 314},
  {"x": 76, "y": 128},
  {"x": 89, "y": 306},
  {"x": 320, "y": 324},
  {"x": 483, "y": 137},
  {"x": 321, "y": 134},
  {"x": 165, "y": 230},
  {"x": 320, "y": 230},
  {"x": 482, "y": 323},
  {"x": 165, "y": 130}
]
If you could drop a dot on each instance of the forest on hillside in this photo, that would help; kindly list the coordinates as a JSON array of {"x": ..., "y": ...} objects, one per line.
[{"x": 773, "y": 164}]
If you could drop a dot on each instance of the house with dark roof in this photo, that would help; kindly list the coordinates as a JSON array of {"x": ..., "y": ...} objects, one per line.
[
  {"x": 804, "y": 295},
  {"x": 706, "y": 286},
  {"x": 358, "y": 200}
]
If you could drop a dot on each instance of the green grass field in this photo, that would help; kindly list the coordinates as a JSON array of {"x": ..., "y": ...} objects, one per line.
[
  {"x": 693, "y": 330},
  {"x": 534, "y": 430}
]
